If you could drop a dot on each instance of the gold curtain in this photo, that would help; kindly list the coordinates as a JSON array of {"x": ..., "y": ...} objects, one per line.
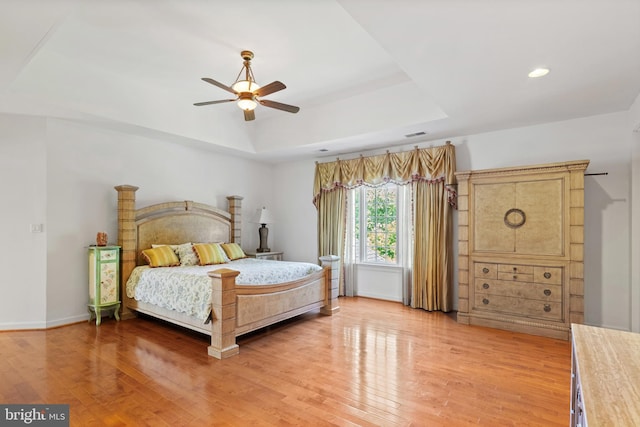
[
  {"x": 331, "y": 226},
  {"x": 431, "y": 171},
  {"x": 432, "y": 272}
]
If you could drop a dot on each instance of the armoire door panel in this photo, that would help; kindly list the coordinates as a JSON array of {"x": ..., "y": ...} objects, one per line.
[
  {"x": 490, "y": 203},
  {"x": 543, "y": 204}
]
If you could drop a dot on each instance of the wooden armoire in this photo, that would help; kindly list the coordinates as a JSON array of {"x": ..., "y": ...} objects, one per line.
[{"x": 521, "y": 248}]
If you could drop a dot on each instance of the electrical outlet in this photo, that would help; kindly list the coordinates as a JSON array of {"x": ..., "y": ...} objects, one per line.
[{"x": 36, "y": 228}]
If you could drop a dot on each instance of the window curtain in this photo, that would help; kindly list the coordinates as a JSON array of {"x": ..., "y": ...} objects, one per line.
[
  {"x": 431, "y": 173},
  {"x": 332, "y": 213}
]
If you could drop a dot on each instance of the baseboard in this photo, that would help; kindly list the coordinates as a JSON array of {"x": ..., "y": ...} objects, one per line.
[
  {"x": 25, "y": 326},
  {"x": 67, "y": 320},
  {"x": 19, "y": 326}
]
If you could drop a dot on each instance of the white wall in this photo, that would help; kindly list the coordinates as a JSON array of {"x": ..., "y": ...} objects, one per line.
[
  {"x": 634, "y": 126},
  {"x": 605, "y": 140},
  {"x": 70, "y": 169},
  {"x": 294, "y": 211},
  {"x": 23, "y": 202}
]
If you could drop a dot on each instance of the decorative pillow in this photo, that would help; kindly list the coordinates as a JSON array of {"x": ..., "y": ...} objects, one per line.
[
  {"x": 209, "y": 253},
  {"x": 161, "y": 256},
  {"x": 233, "y": 251},
  {"x": 185, "y": 253},
  {"x": 224, "y": 254},
  {"x": 173, "y": 247}
]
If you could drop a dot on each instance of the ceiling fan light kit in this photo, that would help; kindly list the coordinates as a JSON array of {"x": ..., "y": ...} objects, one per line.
[
  {"x": 246, "y": 101},
  {"x": 248, "y": 92}
]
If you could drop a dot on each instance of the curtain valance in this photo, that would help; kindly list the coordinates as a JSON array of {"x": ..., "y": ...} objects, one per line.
[{"x": 434, "y": 163}]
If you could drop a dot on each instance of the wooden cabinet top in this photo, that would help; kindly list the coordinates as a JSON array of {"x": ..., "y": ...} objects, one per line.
[
  {"x": 579, "y": 165},
  {"x": 608, "y": 362}
]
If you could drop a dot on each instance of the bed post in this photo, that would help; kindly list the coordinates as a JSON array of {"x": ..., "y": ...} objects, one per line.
[
  {"x": 223, "y": 313},
  {"x": 331, "y": 262},
  {"x": 126, "y": 239},
  {"x": 235, "y": 209}
]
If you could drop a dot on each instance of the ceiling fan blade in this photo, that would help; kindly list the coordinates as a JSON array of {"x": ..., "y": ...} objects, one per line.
[
  {"x": 198, "y": 104},
  {"x": 249, "y": 115},
  {"x": 279, "y": 106},
  {"x": 270, "y": 88},
  {"x": 220, "y": 85}
]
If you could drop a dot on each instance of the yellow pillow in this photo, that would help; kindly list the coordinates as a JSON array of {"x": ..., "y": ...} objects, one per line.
[
  {"x": 233, "y": 251},
  {"x": 209, "y": 253},
  {"x": 162, "y": 256}
]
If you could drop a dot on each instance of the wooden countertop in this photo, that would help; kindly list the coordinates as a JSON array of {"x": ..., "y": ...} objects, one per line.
[{"x": 608, "y": 363}]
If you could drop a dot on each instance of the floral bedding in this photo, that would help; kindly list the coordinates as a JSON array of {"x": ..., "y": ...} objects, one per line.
[{"x": 188, "y": 289}]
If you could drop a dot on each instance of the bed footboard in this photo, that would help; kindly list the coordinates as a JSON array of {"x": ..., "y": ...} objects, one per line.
[
  {"x": 238, "y": 309},
  {"x": 223, "y": 313}
]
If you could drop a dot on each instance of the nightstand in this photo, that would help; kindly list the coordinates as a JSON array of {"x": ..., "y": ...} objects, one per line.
[
  {"x": 104, "y": 281},
  {"x": 276, "y": 256}
]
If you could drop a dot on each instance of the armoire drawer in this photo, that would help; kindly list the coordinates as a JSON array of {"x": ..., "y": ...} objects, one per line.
[
  {"x": 485, "y": 269},
  {"x": 515, "y": 269},
  {"x": 551, "y": 275},
  {"x": 517, "y": 277},
  {"x": 537, "y": 291},
  {"x": 518, "y": 306}
]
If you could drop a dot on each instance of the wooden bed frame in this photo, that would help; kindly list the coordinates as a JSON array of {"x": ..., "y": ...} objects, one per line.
[{"x": 236, "y": 309}]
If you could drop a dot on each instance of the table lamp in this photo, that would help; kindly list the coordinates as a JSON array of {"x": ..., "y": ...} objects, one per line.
[{"x": 263, "y": 217}]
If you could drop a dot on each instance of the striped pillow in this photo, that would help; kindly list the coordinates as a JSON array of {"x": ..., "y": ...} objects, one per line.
[
  {"x": 209, "y": 253},
  {"x": 162, "y": 256},
  {"x": 233, "y": 251}
]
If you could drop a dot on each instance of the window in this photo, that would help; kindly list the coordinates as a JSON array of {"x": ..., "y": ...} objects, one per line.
[{"x": 375, "y": 225}]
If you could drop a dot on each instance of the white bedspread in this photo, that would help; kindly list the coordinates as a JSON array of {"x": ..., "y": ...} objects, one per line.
[{"x": 188, "y": 289}]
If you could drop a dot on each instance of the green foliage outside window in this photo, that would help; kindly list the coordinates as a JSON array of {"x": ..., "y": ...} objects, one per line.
[{"x": 380, "y": 222}]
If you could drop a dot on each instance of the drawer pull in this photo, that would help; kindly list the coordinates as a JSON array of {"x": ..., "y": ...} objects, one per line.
[
  {"x": 547, "y": 275},
  {"x": 485, "y": 301},
  {"x": 547, "y": 308},
  {"x": 515, "y": 277},
  {"x": 547, "y": 292},
  {"x": 485, "y": 286},
  {"x": 485, "y": 270},
  {"x": 515, "y": 269}
]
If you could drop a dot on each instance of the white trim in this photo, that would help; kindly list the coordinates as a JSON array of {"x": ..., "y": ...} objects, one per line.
[
  {"x": 22, "y": 326},
  {"x": 44, "y": 325},
  {"x": 69, "y": 320}
]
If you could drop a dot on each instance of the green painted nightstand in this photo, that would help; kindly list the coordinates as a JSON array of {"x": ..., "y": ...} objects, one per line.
[{"x": 104, "y": 281}]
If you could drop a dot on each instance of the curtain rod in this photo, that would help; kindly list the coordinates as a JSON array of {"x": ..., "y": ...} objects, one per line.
[{"x": 594, "y": 174}]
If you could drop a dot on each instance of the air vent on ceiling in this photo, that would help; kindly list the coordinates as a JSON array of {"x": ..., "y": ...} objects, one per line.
[{"x": 411, "y": 135}]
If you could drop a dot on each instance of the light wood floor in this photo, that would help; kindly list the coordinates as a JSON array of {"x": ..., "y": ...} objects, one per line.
[{"x": 374, "y": 364}]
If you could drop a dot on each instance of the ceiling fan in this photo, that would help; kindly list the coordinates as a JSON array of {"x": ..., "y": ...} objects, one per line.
[{"x": 248, "y": 92}]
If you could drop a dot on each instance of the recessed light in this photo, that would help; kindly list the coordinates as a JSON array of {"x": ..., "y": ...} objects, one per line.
[
  {"x": 539, "y": 72},
  {"x": 323, "y": 150}
]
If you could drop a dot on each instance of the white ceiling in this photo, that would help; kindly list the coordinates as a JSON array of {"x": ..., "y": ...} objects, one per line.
[{"x": 364, "y": 72}]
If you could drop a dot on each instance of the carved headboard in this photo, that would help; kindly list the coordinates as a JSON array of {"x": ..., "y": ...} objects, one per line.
[{"x": 171, "y": 223}]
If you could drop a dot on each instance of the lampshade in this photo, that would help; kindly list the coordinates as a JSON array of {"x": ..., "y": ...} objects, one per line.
[
  {"x": 245, "y": 86},
  {"x": 263, "y": 216},
  {"x": 247, "y": 102}
]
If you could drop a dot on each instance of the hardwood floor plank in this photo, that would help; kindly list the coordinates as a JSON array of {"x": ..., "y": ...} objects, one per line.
[{"x": 374, "y": 363}]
